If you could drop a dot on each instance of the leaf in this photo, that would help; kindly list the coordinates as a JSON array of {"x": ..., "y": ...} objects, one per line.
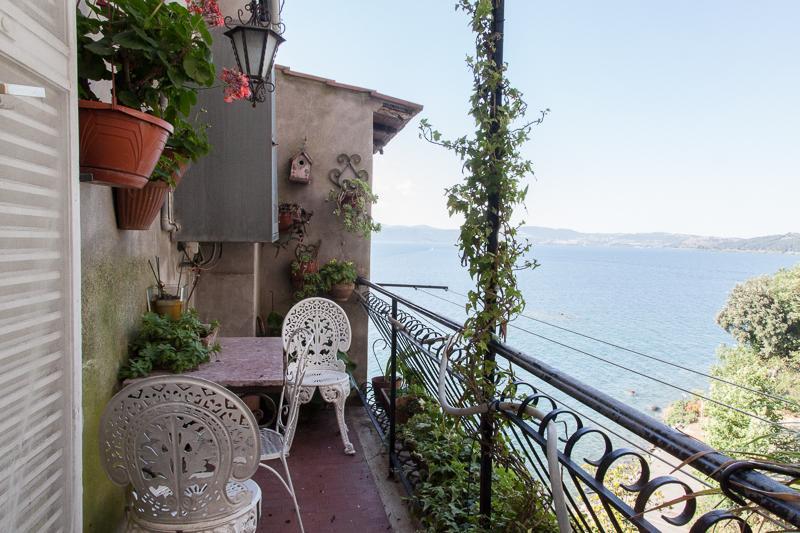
[
  {"x": 100, "y": 48},
  {"x": 129, "y": 39}
]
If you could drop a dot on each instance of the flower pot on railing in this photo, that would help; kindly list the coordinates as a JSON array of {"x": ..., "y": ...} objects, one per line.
[
  {"x": 382, "y": 389},
  {"x": 120, "y": 146}
]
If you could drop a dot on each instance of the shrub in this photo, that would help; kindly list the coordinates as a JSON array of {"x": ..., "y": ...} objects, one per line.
[
  {"x": 732, "y": 431},
  {"x": 683, "y": 412},
  {"x": 764, "y": 313},
  {"x": 447, "y": 492}
]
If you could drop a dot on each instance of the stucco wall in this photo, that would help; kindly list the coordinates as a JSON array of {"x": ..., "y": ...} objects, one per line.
[
  {"x": 114, "y": 276},
  {"x": 333, "y": 121}
]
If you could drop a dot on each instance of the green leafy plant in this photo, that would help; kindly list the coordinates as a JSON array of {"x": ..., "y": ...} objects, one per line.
[
  {"x": 448, "y": 463},
  {"x": 166, "y": 344},
  {"x": 486, "y": 199},
  {"x": 352, "y": 201},
  {"x": 187, "y": 144},
  {"x": 335, "y": 272},
  {"x": 159, "y": 54},
  {"x": 313, "y": 285}
]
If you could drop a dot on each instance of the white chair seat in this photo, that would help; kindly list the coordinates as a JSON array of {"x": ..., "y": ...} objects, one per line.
[
  {"x": 244, "y": 520},
  {"x": 271, "y": 444},
  {"x": 324, "y": 378}
]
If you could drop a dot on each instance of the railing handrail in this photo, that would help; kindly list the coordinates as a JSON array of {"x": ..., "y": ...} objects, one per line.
[{"x": 733, "y": 475}]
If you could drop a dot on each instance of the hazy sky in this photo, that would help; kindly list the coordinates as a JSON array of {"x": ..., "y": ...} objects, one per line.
[{"x": 677, "y": 116}]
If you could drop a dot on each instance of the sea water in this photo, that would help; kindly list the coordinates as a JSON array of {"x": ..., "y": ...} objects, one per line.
[{"x": 660, "y": 302}]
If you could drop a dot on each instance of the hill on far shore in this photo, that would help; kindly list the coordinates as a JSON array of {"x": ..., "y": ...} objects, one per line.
[{"x": 786, "y": 243}]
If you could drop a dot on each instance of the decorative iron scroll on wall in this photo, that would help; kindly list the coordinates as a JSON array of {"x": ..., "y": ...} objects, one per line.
[{"x": 339, "y": 176}]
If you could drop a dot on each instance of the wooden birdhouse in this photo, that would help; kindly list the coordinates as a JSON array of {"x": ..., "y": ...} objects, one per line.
[{"x": 300, "y": 171}]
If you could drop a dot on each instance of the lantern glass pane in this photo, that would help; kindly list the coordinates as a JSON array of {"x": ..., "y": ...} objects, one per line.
[{"x": 254, "y": 40}]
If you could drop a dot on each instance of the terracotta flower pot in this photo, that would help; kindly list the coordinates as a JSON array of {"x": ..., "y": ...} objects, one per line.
[
  {"x": 382, "y": 387},
  {"x": 120, "y": 146},
  {"x": 137, "y": 208},
  {"x": 298, "y": 276},
  {"x": 285, "y": 221},
  {"x": 341, "y": 292}
]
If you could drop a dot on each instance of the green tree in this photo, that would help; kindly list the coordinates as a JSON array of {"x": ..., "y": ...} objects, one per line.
[
  {"x": 764, "y": 313},
  {"x": 733, "y": 431}
]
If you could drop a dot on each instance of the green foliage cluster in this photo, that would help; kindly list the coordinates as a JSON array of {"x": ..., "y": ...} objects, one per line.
[
  {"x": 763, "y": 313},
  {"x": 739, "y": 434},
  {"x": 448, "y": 462},
  {"x": 334, "y": 272},
  {"x": 313, "y": 285},
  {"x": 683, "y": 412},
  {"x": 351, "y": 207},
  {"x": 331, "y": 273},
  {"x": 494, "y": 170},
  {"x": 160, "y": 54},
  {"x": 166, "y": 344}
]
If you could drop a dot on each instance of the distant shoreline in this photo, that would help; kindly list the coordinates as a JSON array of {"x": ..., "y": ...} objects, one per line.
[{"x": 788, "y": 243}]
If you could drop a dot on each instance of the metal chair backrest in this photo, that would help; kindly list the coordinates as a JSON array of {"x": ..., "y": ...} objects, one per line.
[
  {"x": 296, "y": 360},
  {"x": 179, "y": 441},
  {"x": 329, "y": 327}
]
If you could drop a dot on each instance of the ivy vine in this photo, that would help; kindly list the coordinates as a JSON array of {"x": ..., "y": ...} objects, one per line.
[{"x": 493, "y": 166}]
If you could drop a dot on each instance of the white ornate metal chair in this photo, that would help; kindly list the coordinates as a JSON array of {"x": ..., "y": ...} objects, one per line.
[
  {"x": 187, "y": 449},
  {"x": 330, "y": 330},
  {"x": 275, "y": 443}
]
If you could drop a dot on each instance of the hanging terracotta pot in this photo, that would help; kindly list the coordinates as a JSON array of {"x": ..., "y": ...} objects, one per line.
[
  {"x": 120, "y": 146},
  {"x": 285, "y": 220},
  {"x": 137, "y": 208},
  {"x": 298, "y": 276}
]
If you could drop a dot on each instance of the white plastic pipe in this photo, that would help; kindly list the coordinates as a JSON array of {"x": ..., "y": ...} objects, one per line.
[
  {"x": 551, "y": 449},
  {"x": 275, "y": 13}
]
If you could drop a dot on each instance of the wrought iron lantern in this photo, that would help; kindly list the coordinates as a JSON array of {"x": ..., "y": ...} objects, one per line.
[{"x": 255, "y": 42}]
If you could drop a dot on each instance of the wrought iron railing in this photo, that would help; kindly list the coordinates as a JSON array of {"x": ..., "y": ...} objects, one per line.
[{"x": 419, "y": 336}]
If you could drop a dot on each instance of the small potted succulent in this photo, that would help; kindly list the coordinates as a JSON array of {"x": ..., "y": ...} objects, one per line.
[
  {"x": 339, "y": 279},
  {"x": 157, "y": 55},
  {"x": 166, "y": 300}
]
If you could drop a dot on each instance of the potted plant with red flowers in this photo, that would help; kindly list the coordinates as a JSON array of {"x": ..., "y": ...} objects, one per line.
[{"x": 156, "y": 55}]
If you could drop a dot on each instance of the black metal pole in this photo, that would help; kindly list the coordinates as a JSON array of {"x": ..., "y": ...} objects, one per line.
[
  {"x": 487, "y": 419},
  {"x": 393, "y": 393}
]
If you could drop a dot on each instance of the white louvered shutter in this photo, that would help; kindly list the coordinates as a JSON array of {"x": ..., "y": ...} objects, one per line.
[{"x": 39, "y": 357}]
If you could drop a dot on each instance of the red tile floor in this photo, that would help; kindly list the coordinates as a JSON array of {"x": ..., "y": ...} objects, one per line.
[{"x": 335, "y": 491}]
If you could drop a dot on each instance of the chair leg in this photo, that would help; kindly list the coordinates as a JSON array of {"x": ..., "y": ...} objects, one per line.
[
  {"x": 288, "y": 486},
  {"x": 340, "y": 404},
  {"x": 291, "y": 491}
]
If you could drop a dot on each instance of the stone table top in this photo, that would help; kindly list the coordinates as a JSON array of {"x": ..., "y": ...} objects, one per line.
[{"x": 244, "y": 362}]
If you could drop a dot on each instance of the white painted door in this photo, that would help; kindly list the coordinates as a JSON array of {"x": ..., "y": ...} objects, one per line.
[{"x": 40, "y": 471}]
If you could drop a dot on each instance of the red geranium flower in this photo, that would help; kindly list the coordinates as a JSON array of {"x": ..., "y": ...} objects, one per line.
[
  {"x": 237, "y": 85},
  {"x": 208, "y": 9}
]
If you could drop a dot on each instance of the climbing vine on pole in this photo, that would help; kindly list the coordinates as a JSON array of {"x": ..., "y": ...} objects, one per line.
[{"x": 492, "y": 165}]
